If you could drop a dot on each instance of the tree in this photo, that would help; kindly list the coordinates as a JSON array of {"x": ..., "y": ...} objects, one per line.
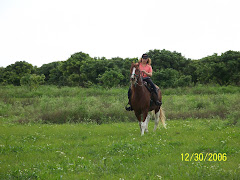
[
  {"x": 46, "y": 70},
  {"x": 163, "y": 59},
  {"x": 184, "y": 80},
  {"x": 166, "y": 78},
  {"x": 72, "y": 70},
  {"x": 56, "y": 76},
  {"x": 170, "y": 69},
  {"x": 222, "y": 70},
  {"x": 14, "y": 72},
  {"x": 231, "y": 60},
  {"x": 111, "y": 78},
  {"x": 32, "y": 81},
  {"x": 2, "y": 80}
]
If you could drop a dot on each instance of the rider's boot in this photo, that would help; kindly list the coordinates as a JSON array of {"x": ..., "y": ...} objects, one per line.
[
  {"x": 130, "y": 106},
  {"x": 156, "y": 100},
  {"x": 129, "y": 101}
]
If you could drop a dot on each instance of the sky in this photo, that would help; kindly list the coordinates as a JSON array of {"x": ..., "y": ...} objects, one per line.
[{"x": 44, "y": 31}]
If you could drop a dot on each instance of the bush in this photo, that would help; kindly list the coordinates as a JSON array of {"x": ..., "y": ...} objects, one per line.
[
  {"x": 184, "y": 81},
  {"x": 166, "y": 78},
  {"x": 111, "y": 78},
  {"x": 32, "y": 81}
]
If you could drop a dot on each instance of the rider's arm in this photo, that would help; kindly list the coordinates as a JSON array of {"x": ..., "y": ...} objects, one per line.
[{"x": 148, "y": 74}]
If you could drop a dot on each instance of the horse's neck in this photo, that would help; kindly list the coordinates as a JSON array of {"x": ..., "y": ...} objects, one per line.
[{"x": 138, "y": 90}]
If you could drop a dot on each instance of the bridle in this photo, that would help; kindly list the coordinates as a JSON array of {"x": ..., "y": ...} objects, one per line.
[{"x": 138, "y": 77}]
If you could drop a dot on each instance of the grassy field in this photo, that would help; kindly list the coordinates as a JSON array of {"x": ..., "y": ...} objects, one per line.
[
  {"x": 74, "y": 133},
  {"x": 50, "y": 104}
]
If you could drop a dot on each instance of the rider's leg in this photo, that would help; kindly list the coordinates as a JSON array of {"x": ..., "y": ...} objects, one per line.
[
  {"x": 148, "y": 80},
  {"x": 129, "y": 100}
]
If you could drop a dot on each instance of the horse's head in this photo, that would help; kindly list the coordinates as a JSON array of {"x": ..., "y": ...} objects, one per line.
[{"x": 135, "y": 73}]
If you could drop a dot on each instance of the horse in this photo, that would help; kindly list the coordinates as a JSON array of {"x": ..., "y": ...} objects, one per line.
[{"x": 140, "y": 101}]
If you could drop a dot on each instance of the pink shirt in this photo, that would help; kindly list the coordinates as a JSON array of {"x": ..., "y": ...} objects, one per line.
[{"x": 147, "y": 68}]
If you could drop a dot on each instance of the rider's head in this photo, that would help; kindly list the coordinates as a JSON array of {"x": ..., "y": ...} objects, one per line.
[{"x": 145, "y": 58}]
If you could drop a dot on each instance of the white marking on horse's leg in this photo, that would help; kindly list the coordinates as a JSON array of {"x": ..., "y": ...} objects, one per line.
[
  {"x": 147, "y": 121},
  {"x": 156, "y": 120},
  {"x": 143, "y": 126},
  {"x": 140, "y": 126}
]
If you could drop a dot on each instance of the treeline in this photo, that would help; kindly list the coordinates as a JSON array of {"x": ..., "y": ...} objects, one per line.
[{"x": 171, "y": 69}]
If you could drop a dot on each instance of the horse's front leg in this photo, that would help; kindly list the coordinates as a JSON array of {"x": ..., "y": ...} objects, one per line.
[
  {"x": 144, "y": 123},
  {"x": 147, "y": 121},
  {"x": 139, "y": 120}
]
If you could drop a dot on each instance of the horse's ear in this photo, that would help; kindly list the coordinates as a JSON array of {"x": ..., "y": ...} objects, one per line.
[
  {"x": 136, "y": 65},
  {"x": 132, "y": 65}
]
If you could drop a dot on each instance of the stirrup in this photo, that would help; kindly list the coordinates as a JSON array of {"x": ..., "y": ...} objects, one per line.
[
  {"x": 158, "y": 103},
  {"x": 128, "y": 108}
]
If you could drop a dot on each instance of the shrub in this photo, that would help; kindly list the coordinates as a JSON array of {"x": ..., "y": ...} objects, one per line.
[
  {"x": 166, "y": 78},
  {"x": 32, "y": 81},
  {"x": 111, "y": 78}
]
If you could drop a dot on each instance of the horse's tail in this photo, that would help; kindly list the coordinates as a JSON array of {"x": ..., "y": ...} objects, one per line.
[{"x": 162, "y": 117}]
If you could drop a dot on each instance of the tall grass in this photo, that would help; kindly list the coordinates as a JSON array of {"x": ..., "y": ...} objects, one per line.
[{"x": 50, "y": 104}]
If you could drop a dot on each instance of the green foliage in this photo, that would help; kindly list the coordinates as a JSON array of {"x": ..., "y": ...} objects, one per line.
[
  {"x": 32, "y": 81},
  {"x": 73, "y": 70},
  {"x": 111, "y": 78},
  {"x": 170, "y": 69},
  {"x": 222, "y": 70},
  {"x": 183, "y": 81},
  {"x": 73, "y": 104},
  {"x": 13, "y": 73},
  {"x": 166, "y": 78},
  {"x": 49, "y": 71},
  {"x": 2, "y": 80},
  {"x": 163, "y": 59}
]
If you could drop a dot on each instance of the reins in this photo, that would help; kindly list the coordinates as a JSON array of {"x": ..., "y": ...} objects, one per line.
[{"x": 137, "y": 77}]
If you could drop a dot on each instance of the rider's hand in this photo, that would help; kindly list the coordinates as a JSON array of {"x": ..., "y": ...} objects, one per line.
[{"x": 144, "y": 71}]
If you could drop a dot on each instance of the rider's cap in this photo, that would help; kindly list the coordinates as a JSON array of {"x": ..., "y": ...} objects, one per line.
[{"x": 144, "y": 56}]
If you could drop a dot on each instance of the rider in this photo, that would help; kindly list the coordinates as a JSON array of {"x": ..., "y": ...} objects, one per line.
[{"x": 146, "y": 68}]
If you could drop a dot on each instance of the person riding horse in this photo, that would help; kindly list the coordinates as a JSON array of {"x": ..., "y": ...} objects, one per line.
[{"x": 146, "y": 69}]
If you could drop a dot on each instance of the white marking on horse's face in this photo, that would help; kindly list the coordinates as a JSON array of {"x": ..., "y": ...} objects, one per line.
[{"x": 133, "y": 73}]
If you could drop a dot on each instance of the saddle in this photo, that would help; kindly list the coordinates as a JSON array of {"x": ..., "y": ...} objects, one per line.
[{"x": 150, "y": 89}]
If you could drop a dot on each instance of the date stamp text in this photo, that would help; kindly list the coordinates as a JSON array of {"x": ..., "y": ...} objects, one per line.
[{"x": 204, "y": 156}]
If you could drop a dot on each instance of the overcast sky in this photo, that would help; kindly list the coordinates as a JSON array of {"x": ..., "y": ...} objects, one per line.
[{"x": 43, "y": 31}]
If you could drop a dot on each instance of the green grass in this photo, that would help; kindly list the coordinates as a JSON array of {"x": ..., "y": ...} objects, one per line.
[
  {"x": 77, "y": 133},
  {"x": 114, "y": 151},
  {"x": 50, "y": 104}
]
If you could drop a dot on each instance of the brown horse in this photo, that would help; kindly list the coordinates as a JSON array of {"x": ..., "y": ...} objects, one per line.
[{"x": 140, "y": 100}]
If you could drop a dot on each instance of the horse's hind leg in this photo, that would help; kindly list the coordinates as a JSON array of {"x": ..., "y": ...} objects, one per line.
[
  {"x": 147, "y": 121},
  {"x": 156, "y": 120},
  {"x": 139, "y": 120}
]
